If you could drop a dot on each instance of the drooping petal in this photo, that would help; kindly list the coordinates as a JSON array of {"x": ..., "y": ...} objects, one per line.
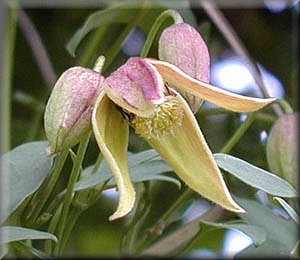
[
  {"x": 186, "y": 151},
  {"x": 135, "y": 86},
  {"x": 111, "y": 132},
  {"x": 181, "y": 45},
  {"x": 220, "y": 97}
]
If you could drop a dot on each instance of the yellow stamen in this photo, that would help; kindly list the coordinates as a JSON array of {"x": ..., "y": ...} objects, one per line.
[{"x": 164, "y": 120}]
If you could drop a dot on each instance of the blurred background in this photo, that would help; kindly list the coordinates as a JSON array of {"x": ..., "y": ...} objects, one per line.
[{"x": 268, "y": 32}]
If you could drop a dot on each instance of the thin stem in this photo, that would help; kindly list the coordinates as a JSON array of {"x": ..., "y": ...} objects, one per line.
[
  {"x": 69, "y": 194},
  {"x": 230, "y": 35},
  {"x": 92, "y": 46},
  {"x": 155, "y": 27},
  {"x": 51, "y": 229},
  {"x": 41, "y": 197},
  {"x": 115, "y": 49},
  {"x": 72, "y": 219},
  {"x": 238, "y": 133},
  {"x": 98, "y": 162},
  {"x": 6, "y": 77},
  {"x": 285, "y": 105},
  {"x": 43, "y": 61},
  {"x": 217, "y": 111},
  {"x": 37, "y": 47},
  {"x": 157, "y": 229},
  {"x": 177, "y": 203}
]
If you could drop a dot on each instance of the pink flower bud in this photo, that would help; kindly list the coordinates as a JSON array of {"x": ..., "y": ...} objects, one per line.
[
  {"x": 282, "y": 148},
  {"x": 181, "y": 45},
  {"x": 69, "y": 108},
  {"x": 135, "y": 86}
]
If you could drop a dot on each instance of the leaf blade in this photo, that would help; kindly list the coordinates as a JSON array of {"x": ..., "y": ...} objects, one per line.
[
  {"x": 14, "y": 233},
  {"x": 254, "y": 176},
  {"x": 24, "y": 169}
]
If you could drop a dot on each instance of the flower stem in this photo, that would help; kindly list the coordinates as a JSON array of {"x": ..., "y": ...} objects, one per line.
[
  {"x": 8, "y": 44},
  {"x": 69, "y": 194},
  {"x": 238, "y": 133},
  {"x": 285, "y": 105},
  {"x": 41, "y": 197},
  {"x": 154, "y": 29},
  {"x": 51, "y": 229},
  {"x": 158, "y": 227}
]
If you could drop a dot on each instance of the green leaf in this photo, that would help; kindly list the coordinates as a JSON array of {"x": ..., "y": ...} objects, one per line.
[
  {"x": 257, "y": 234},
  {"x": 12, "y": 233},
  {"x": 281, "y": 234},
  {"x": 29, "y": 251},
  {"x": 24, "y": 169},
  {"x": 125, "y": 13},
  {"x": 288, "y": 209},
  {"x": 194, "y": 231},
  {"x": 207, "y": 228},
  {"x": 255, "y": 177},
  {"x": 143, "y": 166},
  {"x": 116, "y": 14}
]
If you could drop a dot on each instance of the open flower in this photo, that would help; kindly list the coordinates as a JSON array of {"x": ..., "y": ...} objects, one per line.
[
  {"x": 138, "y": 95},
  {"x": 142, "y": 94}
]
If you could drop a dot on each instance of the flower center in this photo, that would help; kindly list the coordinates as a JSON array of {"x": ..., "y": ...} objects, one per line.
[{"x": 164, "y": 120}]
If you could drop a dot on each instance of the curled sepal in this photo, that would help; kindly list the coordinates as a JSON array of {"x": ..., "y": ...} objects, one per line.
[
  {"x": 69, "y": 109},
  {"x": 136, "y": 86},
  {"x": 111, "y": 132},
  {"x": 220, "y": 97},
  {"x": 187, "y": 152},
  {"x": 181, "y": 45}
]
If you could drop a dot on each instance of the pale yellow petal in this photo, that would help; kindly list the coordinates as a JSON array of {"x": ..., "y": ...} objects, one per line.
[
  {"x": 187, "y": 152},
  {"x": 111, "y": 132},
  {"x": 176, "y": 77}
]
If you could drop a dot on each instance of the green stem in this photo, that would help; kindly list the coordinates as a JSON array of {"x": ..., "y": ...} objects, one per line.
[
  {"x": 6, "y": 82},
  {"x": 41, "y": 197},
  {"x": 238, "y": 133},
  {"x": 115, "y": 48},
  {"x": 51, "y": 229},
  {"x": 72, "y": 219},
  {"x": 154, "y": 29},
  {"x": 92, "y": 46},
  {"x": 69, "y": 194},
  {"x": 285, "y": 105},
  {"x": 151, "y": 236},
  {"x": 97, "y": 163},
  {"x": 217, "y": 111}
]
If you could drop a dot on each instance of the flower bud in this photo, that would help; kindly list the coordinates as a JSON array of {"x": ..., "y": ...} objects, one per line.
[
  {"x": 181, "y": 45},
  {"x": 69, "y": 109},
  {"x": 282, "y": 148}
]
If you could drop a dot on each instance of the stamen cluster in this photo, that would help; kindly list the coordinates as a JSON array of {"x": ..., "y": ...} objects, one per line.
[{"x": 164, "y": 120}]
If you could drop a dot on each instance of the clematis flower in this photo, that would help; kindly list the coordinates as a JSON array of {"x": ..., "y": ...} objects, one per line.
[{"x": 137, "y": 94}]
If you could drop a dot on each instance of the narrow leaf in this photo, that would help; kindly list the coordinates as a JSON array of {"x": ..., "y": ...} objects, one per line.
[
  {"x": 117, "y": 14},
  {"x": 254, "y": 176},
  {"x": 111, "y": 132},
  {"x": 257, "y": 234},
  {"x": 288, "y": 209},
  {"x": 176, "y": 77},
  {"x": 139, "y": 171},
  {"x": 281, "y": 234},
  {"x": 11, "y": 233},
  {"x": 24, "y": 169}
]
